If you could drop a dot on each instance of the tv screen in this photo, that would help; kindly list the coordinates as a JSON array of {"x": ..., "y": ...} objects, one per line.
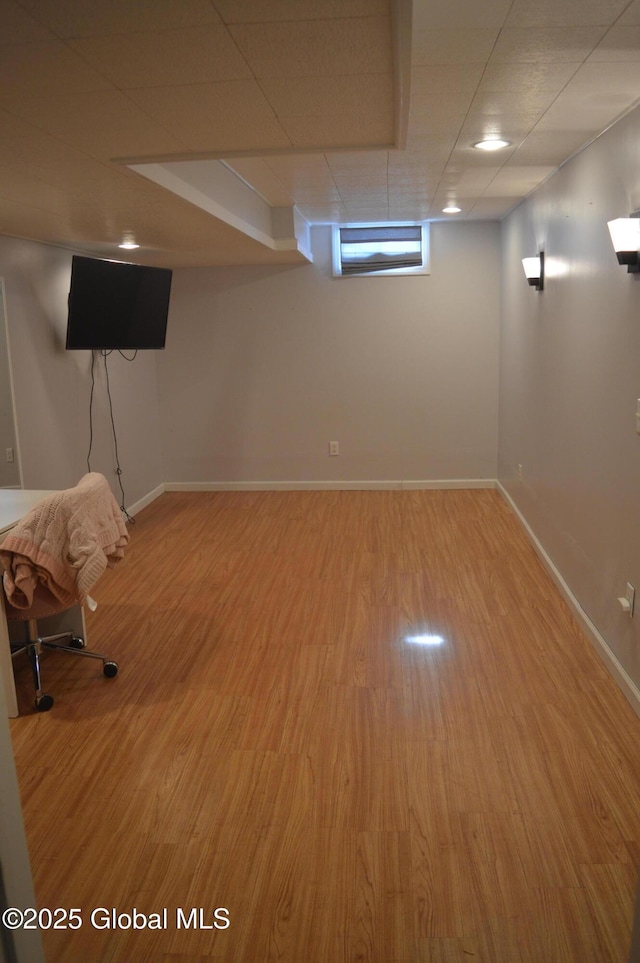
[{"x": 113, "y": 305}]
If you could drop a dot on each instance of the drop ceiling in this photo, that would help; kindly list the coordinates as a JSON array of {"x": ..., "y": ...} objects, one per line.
[{"x": 213, "y": 131}]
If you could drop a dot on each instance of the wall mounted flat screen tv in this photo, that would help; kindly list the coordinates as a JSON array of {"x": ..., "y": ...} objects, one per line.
[{"x": 114, "y": 305}]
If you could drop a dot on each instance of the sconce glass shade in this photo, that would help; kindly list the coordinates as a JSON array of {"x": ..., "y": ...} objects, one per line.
[
  {"x": 534, "y": 270},
  {"x": 625, "y": 237}
]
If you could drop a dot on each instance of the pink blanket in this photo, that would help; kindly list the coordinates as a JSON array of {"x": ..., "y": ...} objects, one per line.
[{"x": 56, "y": 553}]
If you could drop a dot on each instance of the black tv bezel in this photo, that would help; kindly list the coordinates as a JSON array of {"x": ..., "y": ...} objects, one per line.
[{"x": 116, "y": 344}]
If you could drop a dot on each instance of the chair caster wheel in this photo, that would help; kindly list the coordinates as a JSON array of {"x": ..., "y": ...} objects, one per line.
[
  {"x": 44, "y": 703},
  {"x": 110, "y": 669},
  {"x": 77, "y": 643}
]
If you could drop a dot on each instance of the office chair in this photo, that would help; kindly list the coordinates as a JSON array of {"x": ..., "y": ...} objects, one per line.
[
  {"x": 74, "y": 645},
  {"x": 50, "y": 561}
]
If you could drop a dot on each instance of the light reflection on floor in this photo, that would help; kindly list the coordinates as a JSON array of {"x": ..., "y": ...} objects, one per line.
[{"x": 424, "y": 639}]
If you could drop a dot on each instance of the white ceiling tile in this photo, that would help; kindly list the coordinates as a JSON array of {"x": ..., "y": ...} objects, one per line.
[
  {"x": 546, "y": 45},
  {"x": 19, "y": 185},
  {"x": 598, "y": 91},
  {"x": 358, "y": 160},
  {"x": 620, "y": 43},
  {"x": 315, "y": 97},
  {"x": 568, "y": 13},
  {"x": 318, "y": 195},
  {"x": 85, "y": 18},
  {"x": 25, "y": 147},
  {"x": 608, "y": 78},
  {"x": 21, "y": 219},
  {"x": 475, "y": 180},
  {"x": 361, "y": 183},
  {"x": 455, "y": 46},
  {"x": 525, "y": 104},
  {"x": 44, "y": 69},
  {"x": 548, "y": 147},
  {"x": 445, "y": 78},
  {"x": 257, "y": 11},
  {"x": 429, "y": 189},
  {"x": 163, "y": 58},
  {"x": 293, "y": 163},
  {"x": 631, "y": 15},
  {"x": 569, "y": 113},
  {"x": 406, "y": 162},
  {"x": 103, "y": 123},
  {"x": 363, "y": 197},
  {"x": 18, "y": 26},
  {"x": 405, "y": 195},
  {"x": 93, "y": 183},
  {"x": 324, "y": 213},
  {"x": 214, "y": 118},
  {"x": 492, "y": 207},
  {"x": 369, "y": 127},
  {"x": 509, "y": 77},
  {"x": 517, "y": 181},
  {"x": 414, "y": 163},
  {"x": 454, "y": 170},
  {"x": 413, "y": 212},
  {"x": 439, "y": 114},
  {"x": 320, "y": 48},
  {"x": 433, "y": 15},
  {"x": 364, "y": 213},
  {"x": 299, "y": 175},
  {"x": 597, "y": 80}
]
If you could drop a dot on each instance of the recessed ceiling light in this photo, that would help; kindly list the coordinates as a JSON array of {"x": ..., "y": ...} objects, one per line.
[
  {"x": 492, "y": 143},
  {"x": 451, "y": 209},
  {"x": 128, "y": 245}
]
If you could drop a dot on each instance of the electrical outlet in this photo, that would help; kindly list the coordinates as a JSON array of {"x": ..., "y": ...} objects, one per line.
[
  {"x": 9, "y": 454},
  {"x": 520, "y": 472},
  {"x": 630, "y": 595},
  {"x": 334, "y": 448},
  {"x": 627, "y": 601}
]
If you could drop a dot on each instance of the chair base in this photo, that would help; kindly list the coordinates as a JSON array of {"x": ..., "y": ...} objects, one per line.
[{"x": 63, "y": 642}]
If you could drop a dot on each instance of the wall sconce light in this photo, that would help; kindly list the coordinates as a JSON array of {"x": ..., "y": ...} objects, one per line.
[
  {"x": 534, "y": 270},
  {"x": 625, "y": 237}
]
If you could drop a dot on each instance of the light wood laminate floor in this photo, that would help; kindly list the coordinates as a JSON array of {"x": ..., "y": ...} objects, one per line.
[{"x": 275, "y": 745}]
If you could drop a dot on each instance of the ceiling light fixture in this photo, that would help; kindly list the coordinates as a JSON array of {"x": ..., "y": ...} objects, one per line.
[
  {"x": 534, "y": 270},
  {"x": 492, "y": 143},
  {"x": 451, "y": 209},
  {"x": 128, "y": 244},
  {"x": 625, "y": 237}
]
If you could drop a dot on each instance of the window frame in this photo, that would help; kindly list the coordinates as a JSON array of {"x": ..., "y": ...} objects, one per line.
[{"x": 422, "y": 269}]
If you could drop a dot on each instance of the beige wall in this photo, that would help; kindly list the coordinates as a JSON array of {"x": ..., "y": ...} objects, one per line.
[
  {"x": 264, "y": 366},
  {"x": 9, "y": 470},
  {"x": 570, "y": 380},
  {"x": 52, "y": 385}
]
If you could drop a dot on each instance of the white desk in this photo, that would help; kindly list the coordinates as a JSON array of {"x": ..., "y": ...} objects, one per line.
[{"x": 14, "y": 503}]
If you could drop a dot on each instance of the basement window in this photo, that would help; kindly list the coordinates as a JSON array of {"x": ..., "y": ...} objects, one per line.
[{"x": 380, "y": 250}]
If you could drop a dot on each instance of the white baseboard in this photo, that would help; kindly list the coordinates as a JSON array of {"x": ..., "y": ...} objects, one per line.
[
  {"x": 146, "y": 500},
  {"x": 303, "y": 486},
  {"x": 624, "y": 680}
]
